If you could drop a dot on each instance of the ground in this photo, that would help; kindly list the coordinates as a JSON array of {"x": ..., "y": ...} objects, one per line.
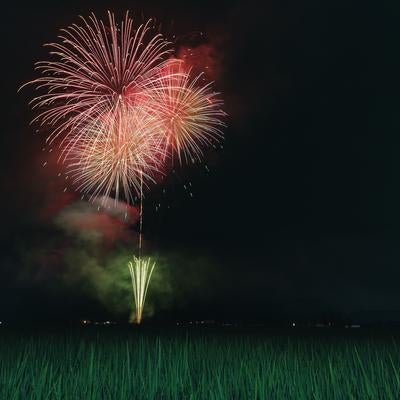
[{"x": 198, "y": 363}]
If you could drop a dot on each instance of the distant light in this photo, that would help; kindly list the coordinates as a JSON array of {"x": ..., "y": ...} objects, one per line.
[{"x": 293, "y": 324}]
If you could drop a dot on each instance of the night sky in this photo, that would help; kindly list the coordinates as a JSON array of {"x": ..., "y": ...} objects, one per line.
[{"x": 299, "y": 215}]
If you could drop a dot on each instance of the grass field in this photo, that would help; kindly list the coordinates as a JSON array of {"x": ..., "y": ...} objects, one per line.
[{"x": 113, "y": 364}]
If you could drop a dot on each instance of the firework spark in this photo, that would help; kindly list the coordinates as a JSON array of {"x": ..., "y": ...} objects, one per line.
[{"x": 141, "y": 270}]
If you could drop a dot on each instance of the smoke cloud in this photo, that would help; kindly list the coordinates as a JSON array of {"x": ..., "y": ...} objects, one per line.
[{"x": 84, "y": 251}]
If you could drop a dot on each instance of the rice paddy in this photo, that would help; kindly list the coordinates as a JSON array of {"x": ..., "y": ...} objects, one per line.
[{"x": 136, "y": 364}]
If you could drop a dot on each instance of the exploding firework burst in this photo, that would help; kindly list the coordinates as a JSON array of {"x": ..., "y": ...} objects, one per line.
[
  {"x": 114, "y": 156},
  {"x": 190, "y": 113},
  {"x": 120, "y": 104},
  {"x": 98, "y": 67},
  {"x": 93, "y": 103},
  {"x": 141, "y": 270}
]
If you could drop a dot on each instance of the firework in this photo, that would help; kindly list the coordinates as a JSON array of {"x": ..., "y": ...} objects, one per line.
[
  {"x": 95, "y": 82},
  {"x": 120, "y": 106},
  {"x": 190, "y": 114},
  {"x": 115, "y": 155},
  {"x": 141, "y": 270},
  {"x": 98, "y": 67}
]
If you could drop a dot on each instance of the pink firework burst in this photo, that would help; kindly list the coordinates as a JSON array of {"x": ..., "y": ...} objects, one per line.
[
  {"x": 190, "y": 114},
  {"x": 97, "y": 68},
  {"x": 120, "y": 106}
]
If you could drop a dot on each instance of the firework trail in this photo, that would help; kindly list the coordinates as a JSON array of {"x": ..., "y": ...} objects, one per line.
[{"x": 141, "y": 270}]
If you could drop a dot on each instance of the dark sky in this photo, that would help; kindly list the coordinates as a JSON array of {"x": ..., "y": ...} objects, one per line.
[{"x": 299, "y": 216}]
